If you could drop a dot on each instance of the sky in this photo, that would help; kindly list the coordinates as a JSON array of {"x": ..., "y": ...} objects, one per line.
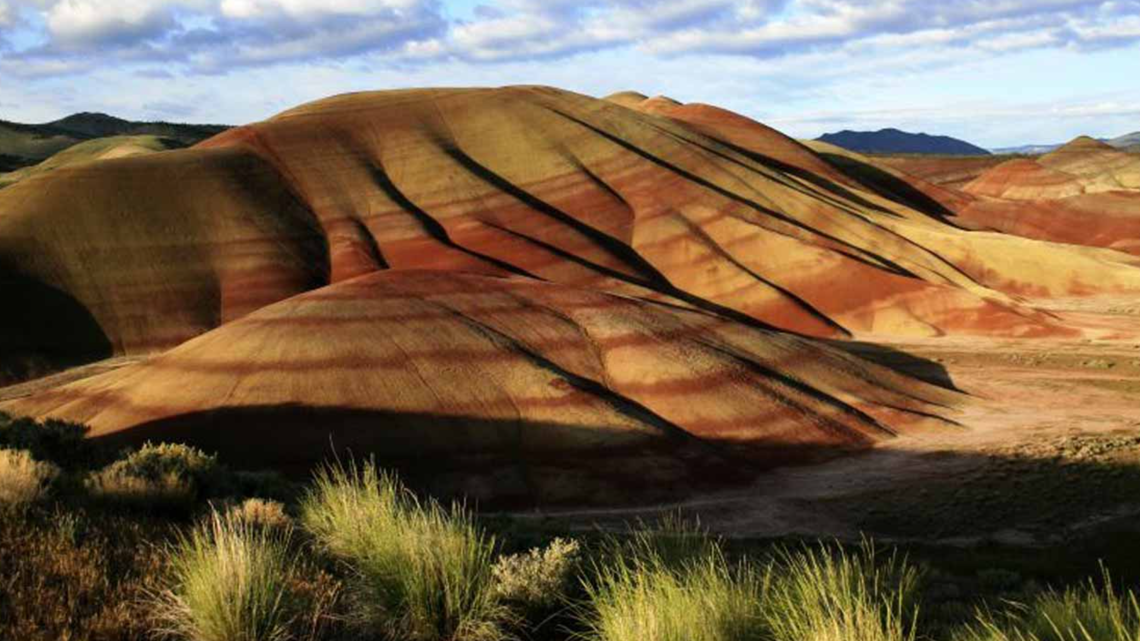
[{"x": 994, "y": 72}]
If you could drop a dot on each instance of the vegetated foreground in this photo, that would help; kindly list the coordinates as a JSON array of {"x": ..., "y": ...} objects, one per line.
[{"x": 167, "y": 541}]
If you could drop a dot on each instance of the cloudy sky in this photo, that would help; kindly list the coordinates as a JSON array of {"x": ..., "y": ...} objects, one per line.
[{"x": 995, "y": 72}]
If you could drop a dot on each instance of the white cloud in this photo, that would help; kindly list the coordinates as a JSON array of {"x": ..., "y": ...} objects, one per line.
[
  {"x": 254, "y": 9},
  {"x": 203, "y": 34},
  {"x": 96, "y": 21}
]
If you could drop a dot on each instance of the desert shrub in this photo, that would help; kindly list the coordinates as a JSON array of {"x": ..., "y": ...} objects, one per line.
[
  {"x": 162, "y": 475},
  {"x": 23, "y": 480},
  {"x": 829, "y": 593},
  {"x": 1085, "y": 613},
  {"x": 260, "y": 513},
  {"x": 59, "y": 442},
  {"x": 649, "y": 598},
  {"x": 67, "y": 574},
  {"x": 537, "y": 581},
  {"x": 421, "y": 572},
  {"x": 229, "y": 581}
]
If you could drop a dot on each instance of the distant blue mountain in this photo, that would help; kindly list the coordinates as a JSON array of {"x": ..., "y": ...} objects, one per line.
[{"x": 893, "y": 141}]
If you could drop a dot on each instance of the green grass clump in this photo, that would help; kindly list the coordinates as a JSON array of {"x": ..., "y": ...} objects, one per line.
[
  {"x": 829, "y": 593},
  {"x": 644, "y": 598},
  {"x": 162, "y": 475},
  {"x": 422, "y": 572},
  {"x": 229, "y": 581},
  {"x": 1085, "y": 613},
  {"x": 23, "y": 480}
]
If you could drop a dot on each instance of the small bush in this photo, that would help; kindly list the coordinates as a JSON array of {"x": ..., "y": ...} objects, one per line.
[
  {"x": 261, "y": 513},
  {"x": 1087, "y": 613},
  {"x": 647, "y": 599},
  {"x": 229, "y": 581},
  {"x": 59, "y": 442},
  {"x": 77, "y": 576},
  {"x": 167, "y": 474},
  {"x": 831, "y": 594},
  {"x": 538, "y": 580},
  {"x": 23, "y": 480},
  {"x": 421, "y": 572}
]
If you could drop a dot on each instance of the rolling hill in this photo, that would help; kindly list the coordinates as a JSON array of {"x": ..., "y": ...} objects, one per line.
[
  {"x": 22, "y": 145},
  {"x": 893, "y": 141},
  {"x": 90, "y": 151},
  {"x": 574, "y": 289}
]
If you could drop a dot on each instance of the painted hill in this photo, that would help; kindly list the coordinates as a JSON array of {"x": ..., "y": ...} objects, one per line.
[
  {"x": 893, "y": 141},
  {"x": 522, "y": 389},
  {"x": 1085, "y": 192},
  {"x": 517, "y": 275},
  {"x": 23, "y": 145}
]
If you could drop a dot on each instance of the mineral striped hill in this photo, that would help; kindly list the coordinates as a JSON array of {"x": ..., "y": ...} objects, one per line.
[
  {"x": 1085, "y": 193},
  {"x": 517, "y": 287}
]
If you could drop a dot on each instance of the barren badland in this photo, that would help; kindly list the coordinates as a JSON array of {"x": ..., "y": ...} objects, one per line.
[{"x": 532, "y": 296}]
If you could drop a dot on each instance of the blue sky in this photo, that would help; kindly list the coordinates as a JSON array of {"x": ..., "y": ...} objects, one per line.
[{"x": 995, "y": 72}]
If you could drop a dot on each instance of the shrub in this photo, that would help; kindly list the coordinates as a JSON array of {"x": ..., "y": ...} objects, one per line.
[
  {"x": 229, "y": 581},
  {"x": 1086, "y": 613},
  {"x": 830, "y": 594},
  {"x": 422, "y": 572},
  {"x": 23, "y": 480},
  {"x": 59, "y": 442},
  {"x": 77, "y": 576},
  {"x": 538, "y": 580},
  {"x": 167, "y": 474},
  {"x": 647, "y": 599},
  {"x": 261, "y": 513}
]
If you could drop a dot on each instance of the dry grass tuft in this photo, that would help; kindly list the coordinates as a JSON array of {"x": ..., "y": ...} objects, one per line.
[
  {"x": 23, "y": 480},
  {"x": 261, "y": 513}
]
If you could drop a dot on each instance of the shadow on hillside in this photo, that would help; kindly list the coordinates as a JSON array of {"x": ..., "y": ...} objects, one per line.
[
  {"x": 43, "y": 330},
  {"x": 889, "y": 186},
  {"x": 909, "y": 364},
  {"x": 505, "y": 463}
]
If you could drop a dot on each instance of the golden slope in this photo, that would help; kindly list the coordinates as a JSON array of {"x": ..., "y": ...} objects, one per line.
[{"x": 450, "y": 374}]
